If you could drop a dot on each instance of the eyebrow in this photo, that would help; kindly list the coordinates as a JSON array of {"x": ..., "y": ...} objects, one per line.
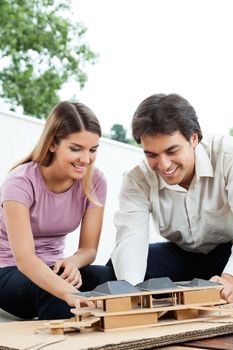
[
  {"x": 166, "y": 150},
  {"x": 77, "y": 145}
]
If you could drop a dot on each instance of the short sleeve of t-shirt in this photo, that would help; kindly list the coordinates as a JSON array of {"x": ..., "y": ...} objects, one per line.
[
  {"x": 18, "y": 189},
  {"x": 99, "y": 185}
]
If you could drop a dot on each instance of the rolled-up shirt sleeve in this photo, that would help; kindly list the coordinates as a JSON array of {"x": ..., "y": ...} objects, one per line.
[
  {"x": 129, "y": 257},
  {"x": 228, "y": 172},
  {"x": 229, "y": 266}
]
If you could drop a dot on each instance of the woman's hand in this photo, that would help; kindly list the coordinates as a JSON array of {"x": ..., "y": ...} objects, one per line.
[
  {"x": 227, "y": 286},
  {"x": 78, "y": 301},
  {"x": 71, "y": 273}
]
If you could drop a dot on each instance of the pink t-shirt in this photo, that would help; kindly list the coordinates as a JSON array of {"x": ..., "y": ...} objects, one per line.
[{"x": 53, "y": 215}]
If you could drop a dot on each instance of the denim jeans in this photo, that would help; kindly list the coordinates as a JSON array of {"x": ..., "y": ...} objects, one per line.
[
  {"x": 166, "y": 259},
  {"x": 22, "y": 298}
]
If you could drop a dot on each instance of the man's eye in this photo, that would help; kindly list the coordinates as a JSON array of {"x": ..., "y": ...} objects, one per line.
[
  {"x": 93, "y": 150},
  {"x": 172, "y": 152},
  {"x": 153, "y": 156}
]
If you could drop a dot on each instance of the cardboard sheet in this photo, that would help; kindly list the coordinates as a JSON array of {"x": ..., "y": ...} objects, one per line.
[
  {"x": 21, "y": 335},
  {"x": 220, "y": 343}
]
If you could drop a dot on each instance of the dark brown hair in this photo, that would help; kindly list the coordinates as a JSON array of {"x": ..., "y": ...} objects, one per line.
[{"x": 165, "y": 114}]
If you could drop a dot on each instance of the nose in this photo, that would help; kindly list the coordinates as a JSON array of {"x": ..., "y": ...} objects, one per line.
[
  {"x": 85, "y": 158},
  {"x": 164, "y": 162}
]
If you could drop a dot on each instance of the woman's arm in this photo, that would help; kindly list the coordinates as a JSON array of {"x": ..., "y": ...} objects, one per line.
[{"x": 17, "y": 218}]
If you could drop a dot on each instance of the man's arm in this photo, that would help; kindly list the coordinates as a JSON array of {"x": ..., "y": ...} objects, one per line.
[
  {"x": 227, "y": 286},
  {"x": 226, "y": 278},
  {"x": 129, "y": 257}
]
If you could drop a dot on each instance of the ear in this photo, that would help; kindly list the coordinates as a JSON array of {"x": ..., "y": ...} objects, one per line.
[
  {"x": 194, "y": 140},
  {"x": 52, "y": 148}
]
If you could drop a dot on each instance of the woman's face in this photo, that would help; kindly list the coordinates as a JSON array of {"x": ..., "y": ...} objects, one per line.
[{"x": 74, "y": 154}]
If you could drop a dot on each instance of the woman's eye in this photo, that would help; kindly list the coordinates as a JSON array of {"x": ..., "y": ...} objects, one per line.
[
  {"x": 74, "y": 149},
  {"x": 93, "y": 150}
]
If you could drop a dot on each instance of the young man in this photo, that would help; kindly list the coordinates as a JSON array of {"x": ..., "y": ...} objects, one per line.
[{"x": 186, "y": 185}]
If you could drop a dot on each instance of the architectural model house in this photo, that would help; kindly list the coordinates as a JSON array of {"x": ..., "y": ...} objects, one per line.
[{"x": 118, "y": 304}]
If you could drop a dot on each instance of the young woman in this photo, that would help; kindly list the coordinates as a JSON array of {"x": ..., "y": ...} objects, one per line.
[{"x": 46, "y": 196}]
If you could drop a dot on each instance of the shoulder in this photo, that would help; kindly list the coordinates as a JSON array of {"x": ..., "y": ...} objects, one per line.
[
  {"x": 98, "y": 175},
  {"x": 218, "y": 142},
  {"x": 98, "y": 178},
  {"x": 139, "y": 179},
  {"x": 24, "y": 173},
  {"x": 99, "y": 186},
  {"x": 218, "y": 146},
  {"x": 20, "y": 183},
  {"x": 220, "y": 152},
  {"x": 141, "y": 173}
]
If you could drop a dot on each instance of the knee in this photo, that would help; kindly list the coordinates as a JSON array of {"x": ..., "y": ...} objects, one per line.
[
  {"x": 157, "y": 249},
  {"x": 93, "y": 275},
  {"x": 51, "y": 308}
]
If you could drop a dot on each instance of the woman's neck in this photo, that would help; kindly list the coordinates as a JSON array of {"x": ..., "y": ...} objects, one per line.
[{"x": 54, "y": 182}]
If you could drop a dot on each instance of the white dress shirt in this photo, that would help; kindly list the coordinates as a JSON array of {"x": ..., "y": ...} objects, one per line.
[{"x": 197, "y": 219}]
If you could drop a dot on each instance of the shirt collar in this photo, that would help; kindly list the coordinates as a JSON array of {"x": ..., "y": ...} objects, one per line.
[
  {"x": 155, "y": 180},
  {"x": 162, "y": 184},
  {"x": 203, "y": 166}
]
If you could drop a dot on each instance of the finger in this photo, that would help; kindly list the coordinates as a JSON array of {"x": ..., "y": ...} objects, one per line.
[
  {"x": 77, "y": 282},
  {"x": 69, "y": 277},
  {"x": 230, "y": 298},
  {"x": 85, "y": 302},
  {"x": 57, "y": 266},
  {"x": 219, "y": 280},
  {"x": 227, "y": 291},
  {"x": 74, "y": 277},
  {"x": 77, "y": 303},
  {"x": 215, "y": 278},
  {"x": 225, "y": 294},
  {"x": 67, "y": 271},
  {"x": 89, "y": 303}
]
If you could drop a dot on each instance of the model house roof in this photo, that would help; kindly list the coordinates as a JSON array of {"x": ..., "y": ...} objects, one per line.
[{"x": 160, "y": 283}]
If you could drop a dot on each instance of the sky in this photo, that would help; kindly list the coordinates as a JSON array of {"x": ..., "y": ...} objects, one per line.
[{"x": 158, "y": 46}]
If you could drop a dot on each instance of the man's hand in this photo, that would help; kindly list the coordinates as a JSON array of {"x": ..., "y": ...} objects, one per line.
[
  {"x": 71, "y": 273},
  {"x": 227, "y": 286}
]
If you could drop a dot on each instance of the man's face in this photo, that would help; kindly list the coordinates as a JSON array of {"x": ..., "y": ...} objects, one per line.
[{"x": 171, "y": 156}]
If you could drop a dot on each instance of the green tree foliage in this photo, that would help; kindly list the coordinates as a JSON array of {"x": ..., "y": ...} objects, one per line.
[
  {"x": 118, "y": 133},
  {"x": 133, "y": 142},
  {"x": 41, "y": 48},
  {"x": 231, "y": 132}
]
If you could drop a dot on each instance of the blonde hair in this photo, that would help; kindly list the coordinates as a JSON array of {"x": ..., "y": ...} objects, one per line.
[{"x": 66, "y": 118}]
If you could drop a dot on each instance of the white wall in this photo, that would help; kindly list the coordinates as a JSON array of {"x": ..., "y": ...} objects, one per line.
[{"x": 18, "y": 135}]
